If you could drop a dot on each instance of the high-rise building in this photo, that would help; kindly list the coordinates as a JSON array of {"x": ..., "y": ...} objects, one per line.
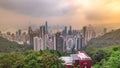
[
  {"x": 42, "y": 31},
  {"x": 25, "y": 37},
  {"x": 64, "y": 32},
  {"x": 31, "y": 35},
  {"x": 91, "y": 32},
  {"x": 42, "y": 35},
  {"x": 72, "y": 43},
  {"x": 84, "y": 34},
  {"x": 88, "y": 33},
  {"x": 38, "y": 44},
  {"x": 49, "y": 43},
  {"x": 69, "y": 44},
  {"x": 46, "y": 27},
  {"x": 35, "y": 43},
  {"x": 70, "y": 30},
  {"x": 54, "y": 40},
  {"x": 79, "y": 42},
  {"x": 58, "y": 42}
]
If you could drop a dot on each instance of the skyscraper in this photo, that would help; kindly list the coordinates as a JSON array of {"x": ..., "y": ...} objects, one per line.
[
  {"x": 31, "y": 35},
  {"x": 64, "y": 32},
  {"x": 46, "y": 27},
  {"x": 38, "y": 44},
  {"x": 70, "y": 30},
  {"x": 88, "y": 33},
  {"x": 42, "y": 31},
  {"x": 69, "y": 44},
  {"x": 84, "y": 34},
  {"x": 79, "y": 42},
  {"x": 58, "y": 41},
  {"x": 35, "y": 40}
]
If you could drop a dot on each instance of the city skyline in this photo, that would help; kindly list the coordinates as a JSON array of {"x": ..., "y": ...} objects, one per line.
[
  {"x": 66, "y": 40},
  {"x": 17, "y": 14}
]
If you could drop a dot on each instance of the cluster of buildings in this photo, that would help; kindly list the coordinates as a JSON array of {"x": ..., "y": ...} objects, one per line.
[
  {"x": 19, "y": 37},
  {"x": 66, "y": 40},
  {"x": 79, "y": 60}
]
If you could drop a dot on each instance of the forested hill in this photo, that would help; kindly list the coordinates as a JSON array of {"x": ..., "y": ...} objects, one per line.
[
  {"x": 105, "y": 50},
  {"x": 8, "y": 46},
  {"x": 109, "y": 39}
]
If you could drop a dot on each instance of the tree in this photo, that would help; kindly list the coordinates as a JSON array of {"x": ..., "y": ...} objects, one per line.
[
  {"x": 99, "y": 55},
  {"x": 11, "y": 60},
  {"x": 48, "y": 61},
  {"x": 114, "y": 60},
  {"x": 31, "y": 59}
]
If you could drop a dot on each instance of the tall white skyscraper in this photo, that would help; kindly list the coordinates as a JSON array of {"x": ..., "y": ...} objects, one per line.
[
  {"x": 38, "y": 44},
  {"x": 35, "y": 43}
]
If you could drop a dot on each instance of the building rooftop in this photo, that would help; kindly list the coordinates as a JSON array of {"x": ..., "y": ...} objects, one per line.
[
  {"x": 83, "y": 55},
  {"x": 68, "y": 60}
]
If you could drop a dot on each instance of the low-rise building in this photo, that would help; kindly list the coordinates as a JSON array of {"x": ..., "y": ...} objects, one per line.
[{"x": 80, "y": 59}]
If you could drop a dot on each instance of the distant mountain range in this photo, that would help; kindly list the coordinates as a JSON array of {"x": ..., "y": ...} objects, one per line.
[
  {"x": 109, "y": 39},
  {"x": 8, "y": 46}
]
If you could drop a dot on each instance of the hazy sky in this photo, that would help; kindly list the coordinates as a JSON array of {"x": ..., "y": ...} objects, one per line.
[{"x": 22, "y": 13}]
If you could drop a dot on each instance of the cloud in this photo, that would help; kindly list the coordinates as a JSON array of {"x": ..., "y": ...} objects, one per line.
[
  {"x": 96, "y": 15},
  {"x": 103, "y": 11},
  {"x": 66, "y": 12},
  {"x": 37, "y": 8}
]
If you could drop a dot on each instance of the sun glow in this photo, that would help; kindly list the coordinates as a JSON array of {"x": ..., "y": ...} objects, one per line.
[
  {"x": 115, "y": 7},
  {"x": 83, "y": 2}
]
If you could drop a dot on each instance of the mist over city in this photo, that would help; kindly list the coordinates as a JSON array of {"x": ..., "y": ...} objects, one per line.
[
  {"x": 77, "y": 13},
  {"x": 59, "y": 34}
]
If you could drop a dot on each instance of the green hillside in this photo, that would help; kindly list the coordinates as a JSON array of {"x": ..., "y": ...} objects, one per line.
[
  {"x": 105, "y": 50},
  {"x": 8, "y": 46},
  {"x": 109, "y": 39}
]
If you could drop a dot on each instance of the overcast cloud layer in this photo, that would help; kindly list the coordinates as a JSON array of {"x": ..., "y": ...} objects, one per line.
[
  {"x": 62, "y": 12},
  {"x": 37, "y": 7}
]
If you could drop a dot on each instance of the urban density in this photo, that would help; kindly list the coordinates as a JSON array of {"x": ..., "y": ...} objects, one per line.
[
  {"x": 59, "y": 33},
  {"x": 65, "y": 40}
]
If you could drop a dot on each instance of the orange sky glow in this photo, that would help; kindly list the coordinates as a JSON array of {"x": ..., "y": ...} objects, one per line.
[{"x": 19, "y": 14}]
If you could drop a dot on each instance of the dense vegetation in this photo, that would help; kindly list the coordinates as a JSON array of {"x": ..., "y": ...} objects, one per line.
[
  {"x": 13, "y": 55},
  {"x": 105, "y": 50},
  {"x": 6, "y": 46},
  {"x": 32, "y": 59},
  {"x": 108, "y": 57}
]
